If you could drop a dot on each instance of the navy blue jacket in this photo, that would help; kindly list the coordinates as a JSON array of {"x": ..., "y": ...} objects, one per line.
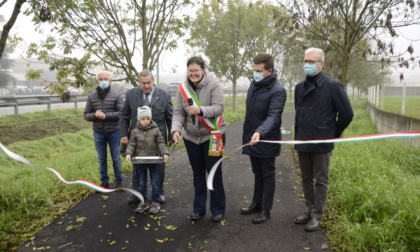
[
  {"x": 323, "y": 111},
  {"x": 161, "y": 105},
  {"x": 264, "y": 107}
]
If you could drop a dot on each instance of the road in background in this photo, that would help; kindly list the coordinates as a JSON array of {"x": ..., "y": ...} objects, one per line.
[{"x": 33, "y": 108}]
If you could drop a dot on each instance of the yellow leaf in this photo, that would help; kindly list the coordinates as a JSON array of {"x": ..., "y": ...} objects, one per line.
[
  {"x": 244, "y": 197},
  {"x": 159, "y": 223},
  {"x": 109, "y": 233},
  {"x": 223, "y": 222},
  {"x": 104, "y": 206},
  {"x": 80, "y": 219},
  {"x": 112, "y": 243},
  {"x": 146, "y": 228},
  {"x": 104, "y": 197},
  {"x": 127, "y": 242},
  {"x": 160, "y": 241},
  {"x": 171, "y": 228},
  {"x": 202, "y": 247},
  {"x": 156, "y": 229},
  {"x": 127, "y": 226},
  {"x": 306, "y": 248},
  {"x": 123, "y": 248},
  {"x": 99, "y": 226}
]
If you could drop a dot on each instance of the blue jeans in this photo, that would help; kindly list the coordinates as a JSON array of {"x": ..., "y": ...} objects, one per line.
[
  {"x": 154, "y": 180},
  {"x": 101, "y": 144}
]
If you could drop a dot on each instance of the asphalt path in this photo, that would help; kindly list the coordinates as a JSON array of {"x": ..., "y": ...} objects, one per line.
[{"x": 105, "y": 222}]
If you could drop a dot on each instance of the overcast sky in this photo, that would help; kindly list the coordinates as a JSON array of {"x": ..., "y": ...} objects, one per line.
[{"x": 177, "y": 59}]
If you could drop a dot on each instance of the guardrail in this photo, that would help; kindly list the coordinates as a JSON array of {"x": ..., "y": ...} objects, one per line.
[
  {"x": 16, "y": 102},
  {"x": 38, "y": 100}
]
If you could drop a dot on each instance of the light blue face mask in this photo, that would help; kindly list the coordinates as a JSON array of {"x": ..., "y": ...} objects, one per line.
[
  {"x": 258, "y": 76},
  {"x": 104, "y": 84},
  {"x": 310, "y": 69}
]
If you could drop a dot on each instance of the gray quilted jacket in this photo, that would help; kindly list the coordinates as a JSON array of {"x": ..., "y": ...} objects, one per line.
[{"x": 111, "y": 105}]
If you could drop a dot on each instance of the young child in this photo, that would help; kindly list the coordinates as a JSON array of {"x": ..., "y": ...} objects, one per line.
[{"x": 146, "y": 140}]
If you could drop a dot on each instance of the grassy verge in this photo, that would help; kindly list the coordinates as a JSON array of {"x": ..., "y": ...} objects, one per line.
[
  {"x": 30, "y": 198},
  {"x": 394, "y": 104},
  {"x": 373, "y": 200}
]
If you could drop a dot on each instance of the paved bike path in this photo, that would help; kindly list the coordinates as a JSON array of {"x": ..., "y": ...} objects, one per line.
[{"x": 105, "y": 222}]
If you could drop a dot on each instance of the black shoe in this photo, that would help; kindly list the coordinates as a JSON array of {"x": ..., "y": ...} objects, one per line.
[
  {"x": 217, "y": 218},
  {"x": 253, "y": 208},
  {"x": 162, "y": 199},
  {"x": 196, "y": 216},
  {"x": 313, "y": 224},
  {"x": 133, "y": 200},
  {"x": 104, "y": 185},
  {"x": 303, "y": 218},
  {"x": 262, "y": 217}
]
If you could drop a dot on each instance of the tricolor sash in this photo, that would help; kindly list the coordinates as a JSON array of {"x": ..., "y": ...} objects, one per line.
[{"x": 216, "y": 147}]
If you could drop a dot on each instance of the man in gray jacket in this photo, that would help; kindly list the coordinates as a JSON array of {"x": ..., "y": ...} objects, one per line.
[
  {"x": 103, "y": 109},
  {"x": 147, "y": 94}
]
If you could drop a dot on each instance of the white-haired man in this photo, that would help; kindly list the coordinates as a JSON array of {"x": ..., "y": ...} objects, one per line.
[
  {"x": 103, "y": 109},
  {"x": 323, "y": 111}
]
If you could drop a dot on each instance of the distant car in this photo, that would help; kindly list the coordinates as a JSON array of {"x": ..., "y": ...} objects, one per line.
[{"x": 173, "y": 88}]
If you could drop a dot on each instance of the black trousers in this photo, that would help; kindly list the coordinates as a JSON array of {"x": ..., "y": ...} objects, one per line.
[
  {"x": 201, "y": 163},
  {"x": 265, "y": 181}
]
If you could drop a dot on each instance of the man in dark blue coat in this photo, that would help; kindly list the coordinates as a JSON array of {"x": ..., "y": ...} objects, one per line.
[
  {"x": 264, "y": 107},
  {"x": 323, "y": 111},
  {"x": 147, "y": 94}
]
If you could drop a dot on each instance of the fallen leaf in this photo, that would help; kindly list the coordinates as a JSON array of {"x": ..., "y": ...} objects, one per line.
[
  {"x": 146, "y": 228},
  {"x": 306, "y": 248},
  {"x": 223, "y": 222},
  {"x": 160, "y": 241},
  {"x": 112, "y": 243},
  {"x": 127, "y": 226},
  {"x": 104, "y": 197},
  {"x": 80, "y": 219},
  {"x": 171, "y": 228},
  {"x": 99, "y": 226},
  {"x": 123, "y": 248},
  {"x": 127, "y": 242},
  {"x": 324, "y": 246}
]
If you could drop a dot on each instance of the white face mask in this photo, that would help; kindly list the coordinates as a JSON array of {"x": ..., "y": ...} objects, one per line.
[
  {"x": 258, "y": 76},
  {"x": 104, "y": 84}
]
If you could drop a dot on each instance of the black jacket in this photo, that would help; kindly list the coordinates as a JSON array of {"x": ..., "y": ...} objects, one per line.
[
  {"x": 264, "y": 107},
  {"x": 323, "y": 111},
  {"x": 111, "y": 104},
  {"x": 161, "y": 105}
]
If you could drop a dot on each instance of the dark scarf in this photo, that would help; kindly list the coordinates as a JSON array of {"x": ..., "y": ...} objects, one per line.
[
  {"x": 311, "y": 80},
  {"x": 103, "y": 92}
]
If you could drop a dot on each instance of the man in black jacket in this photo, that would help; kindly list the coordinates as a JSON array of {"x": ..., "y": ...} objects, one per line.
[
  {"x": 323, "y": 111},
  {"x": 264, "y": 108},
  {"x": 147, "y": 94},
  {"x": 103, "y": 109}
]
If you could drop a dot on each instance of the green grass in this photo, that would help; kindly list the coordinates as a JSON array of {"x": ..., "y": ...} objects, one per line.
[
  {"x": 10, "y": 120},
  {"x": 394, "y": 104},
  {"x": 373, "y": 200}
]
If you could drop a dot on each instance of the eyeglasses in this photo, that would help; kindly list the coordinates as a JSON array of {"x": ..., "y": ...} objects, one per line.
[
  {"x": 311, "y": 62},
  {"x": 194, "y": 71}
]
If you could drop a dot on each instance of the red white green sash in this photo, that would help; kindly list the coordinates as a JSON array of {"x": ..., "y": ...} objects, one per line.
[{"x": 216, "y": 147}]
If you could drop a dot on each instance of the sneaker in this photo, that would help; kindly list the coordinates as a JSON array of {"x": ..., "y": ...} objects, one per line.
[
  {"x": 154, "y": 208},
  {"x": 118, "y": 186},
  {"x": 142, "y": 207},
  {"x": 162, "y": 199}
]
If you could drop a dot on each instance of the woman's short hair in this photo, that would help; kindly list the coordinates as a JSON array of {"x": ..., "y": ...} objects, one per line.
[{"x": 196, "y": 60}]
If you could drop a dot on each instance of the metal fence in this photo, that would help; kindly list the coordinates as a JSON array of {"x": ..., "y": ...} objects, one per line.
[
  {"x": 47, "y": 100},
  {"x": 377, "y": 94}
]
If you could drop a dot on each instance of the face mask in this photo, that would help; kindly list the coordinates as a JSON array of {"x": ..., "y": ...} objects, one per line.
[
  {"x": 310, "y": 69},
  {"x": 104, "y": 84},
  {"x": 258, "y": 76}
]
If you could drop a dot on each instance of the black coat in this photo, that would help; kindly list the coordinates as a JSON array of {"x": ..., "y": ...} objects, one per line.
[
  {"x": 110, "y": 104},
  {"x": 264, "y": 107},
  {"x": 323, "y": 111},
  {"x": 161, "y": 105}
]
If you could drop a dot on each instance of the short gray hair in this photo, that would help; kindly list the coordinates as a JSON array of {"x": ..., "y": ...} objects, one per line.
[
  {"x": 105, "y": 72},
  {"x": 145, "y": 73},
  {"x": 317, "y": 50}
]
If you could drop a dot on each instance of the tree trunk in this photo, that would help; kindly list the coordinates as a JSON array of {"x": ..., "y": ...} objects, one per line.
[
  {"x": 234, "y": 95},
  {"x": 9, "y": 25}
]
